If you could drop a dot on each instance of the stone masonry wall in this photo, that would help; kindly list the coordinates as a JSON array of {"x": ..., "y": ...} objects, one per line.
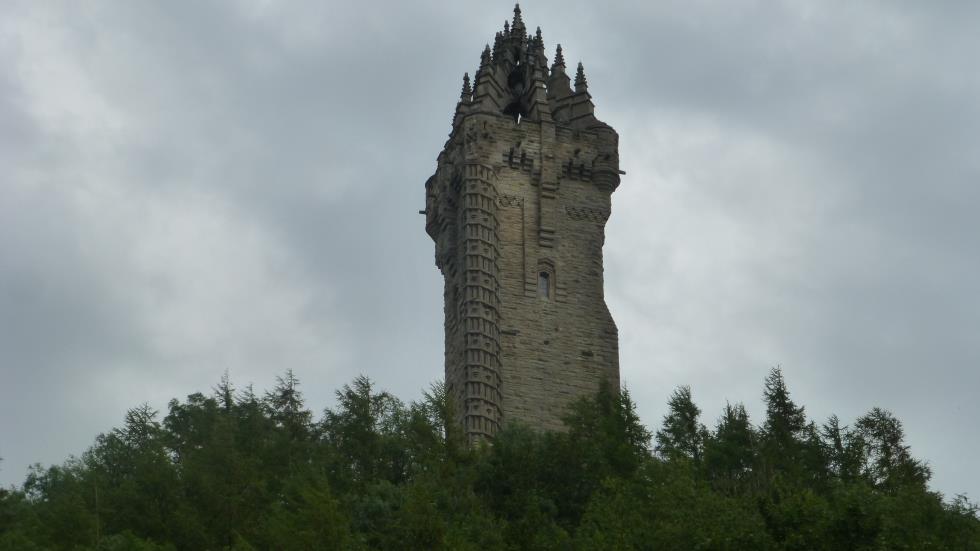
[{"x": 513, "y": 355}]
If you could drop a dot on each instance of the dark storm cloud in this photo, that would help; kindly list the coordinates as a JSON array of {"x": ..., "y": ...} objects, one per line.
[{"x": 190, "y": 187}]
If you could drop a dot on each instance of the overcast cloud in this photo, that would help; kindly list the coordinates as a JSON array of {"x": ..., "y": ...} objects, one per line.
[{"x": 189, "y": 187}]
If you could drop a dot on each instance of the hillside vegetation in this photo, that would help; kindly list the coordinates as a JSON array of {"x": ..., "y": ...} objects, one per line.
[{"x": 235, "y": 470}]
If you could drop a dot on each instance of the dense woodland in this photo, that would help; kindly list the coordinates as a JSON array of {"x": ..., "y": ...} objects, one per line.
[{"x": 235, "y": 470}]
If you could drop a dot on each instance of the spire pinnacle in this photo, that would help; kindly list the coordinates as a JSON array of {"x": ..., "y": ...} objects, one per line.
[
  {"x": 537, "y": 37},
  {"x": 580, "y": 83},
  {"x": 506, "y": 27},
  {"x": 559, "y": 58},
  {"x": 518, "y": 25},
  {"x": 485, "y": 57},
  {"x": 465, "y": 94},
  {"x": 498, "y": 40}
]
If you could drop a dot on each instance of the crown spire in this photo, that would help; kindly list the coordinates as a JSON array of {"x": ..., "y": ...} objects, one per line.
[
  {"x": 559, "y": 58},
  {"x": 581, "y": 84}
]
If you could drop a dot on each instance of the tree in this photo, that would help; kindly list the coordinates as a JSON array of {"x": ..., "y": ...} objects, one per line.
[
  {"x": 841, "y": 449},
  {"x": 682, "y": 435},
  {"x": 363, "y": 431},
  {"x": 286, "y": 407},
  {"x": 783, "y": 430},
  {"x": 225, "y": 392},
  {"x": 730, "y": 453},
  {"x": 229, "y": 470},
  {"x": 885, "y": 458}
]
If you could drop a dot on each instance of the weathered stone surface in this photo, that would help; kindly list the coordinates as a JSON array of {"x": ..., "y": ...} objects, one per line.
[{"x": 517, "y": 209}]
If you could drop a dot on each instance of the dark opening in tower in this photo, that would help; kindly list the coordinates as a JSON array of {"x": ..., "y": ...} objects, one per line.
[
  {"x": 544, "y": 285},
  {"x": 517, "y": 83}
]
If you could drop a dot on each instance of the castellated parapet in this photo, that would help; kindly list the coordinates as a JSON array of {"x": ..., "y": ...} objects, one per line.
[{"x": 517, "y": 209}]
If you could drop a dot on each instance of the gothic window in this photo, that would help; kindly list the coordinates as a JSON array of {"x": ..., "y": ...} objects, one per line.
[
  {"x": 546, "y": 278},
  {"x": 544, "y": 285}
]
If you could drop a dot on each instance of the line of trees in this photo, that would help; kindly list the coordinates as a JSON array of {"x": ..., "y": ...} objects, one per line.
[{"x": 235, "y": 470}]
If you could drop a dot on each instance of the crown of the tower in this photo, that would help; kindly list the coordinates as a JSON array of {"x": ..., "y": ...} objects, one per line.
[{"x": 514, "y": 80}]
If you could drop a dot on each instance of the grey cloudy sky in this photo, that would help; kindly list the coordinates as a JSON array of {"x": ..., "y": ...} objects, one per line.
[{"x": 189, "y": 187}]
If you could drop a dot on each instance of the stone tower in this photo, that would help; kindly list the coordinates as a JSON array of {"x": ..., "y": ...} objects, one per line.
[{"x": 517, "y": 209}]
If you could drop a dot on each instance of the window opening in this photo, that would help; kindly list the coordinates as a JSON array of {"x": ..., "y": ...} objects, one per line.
[{"x": 544, "y": 285}]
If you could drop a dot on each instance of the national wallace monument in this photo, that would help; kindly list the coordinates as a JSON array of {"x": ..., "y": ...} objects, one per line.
[{"x": 517, "y": 208}]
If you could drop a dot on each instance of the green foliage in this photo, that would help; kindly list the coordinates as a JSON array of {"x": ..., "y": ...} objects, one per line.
[
  {"x": 236, "y": 471},
  {"x": 730, "y": 453},
  {"x": 783, "y": 431},
  {"x": 682, "y": 435}
]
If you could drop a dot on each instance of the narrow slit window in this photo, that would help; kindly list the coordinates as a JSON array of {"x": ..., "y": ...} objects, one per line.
[{"x": 544, "y": 285}]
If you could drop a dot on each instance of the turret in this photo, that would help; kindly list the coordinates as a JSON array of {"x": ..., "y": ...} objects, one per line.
[{"x": 559, "y": 85}]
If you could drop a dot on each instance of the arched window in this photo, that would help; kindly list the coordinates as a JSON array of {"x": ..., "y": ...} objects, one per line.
[
  {"x": 546, "y": 278},
  {"x": 544, "y": 285}
]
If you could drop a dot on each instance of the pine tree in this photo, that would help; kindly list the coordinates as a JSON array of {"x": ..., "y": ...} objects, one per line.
[
  {"x": 886, "y": 460},
  {"x": 363, "y": 430},
  {"x": 730, "y": 453},
  {"x": 225, "y": 392},
  {"x": 842, "y": 450},
  {"x": 286, "y": 406},
  {"x": 682, "y": 435},
  {"x": 783, "y": 430}
]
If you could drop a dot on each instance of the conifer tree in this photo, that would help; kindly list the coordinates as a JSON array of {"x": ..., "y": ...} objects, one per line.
[
  {"x": 842, "y": 449},
  {"x": 225, "y": 392},
  {"x": 886, "y": 461},
  {"x": 285, "y": 403},
  {"x": 228, "y": 471},
  {"x": 783, "y": 430},
  {"x": 682, "y": 435},
  {"x": 730, "y": 453}
]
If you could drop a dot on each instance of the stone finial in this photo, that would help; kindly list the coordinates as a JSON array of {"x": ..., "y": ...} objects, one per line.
[
  {"x": 467, "y": 92},
  {"x": 559, "y": 58},
  {"x": 581, "y": 85},
  {"x": 518, "y": 22},
  {"x": 537, "y": 37},
  {"x": 485, "y": 57}
]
